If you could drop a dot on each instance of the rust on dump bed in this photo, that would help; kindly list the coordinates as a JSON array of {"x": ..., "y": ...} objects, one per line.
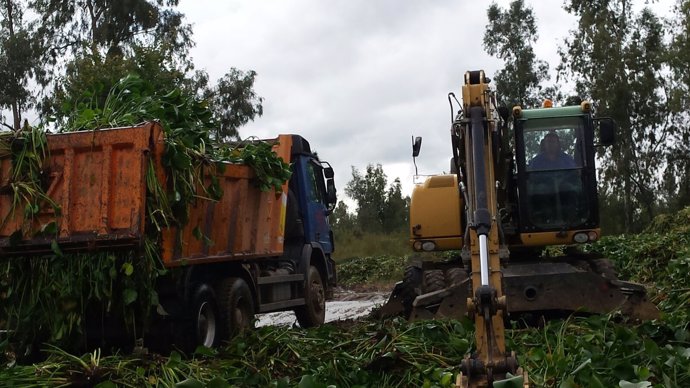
[{"x": 98, "y": 179}]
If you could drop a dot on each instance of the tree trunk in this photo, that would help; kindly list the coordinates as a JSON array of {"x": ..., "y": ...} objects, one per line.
[{"x": 16, "y": 113}]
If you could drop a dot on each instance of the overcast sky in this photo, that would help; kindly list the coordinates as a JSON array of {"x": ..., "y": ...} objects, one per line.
[{"x": 358, "y": 78}]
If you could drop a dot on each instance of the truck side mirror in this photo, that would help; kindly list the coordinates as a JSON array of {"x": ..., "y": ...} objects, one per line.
[
  {"x": 331, "y": 196},
  {"x": 607, "y": 131},
  {"x": 328, "y": 172},
  {"x": 416, "y": 146}
]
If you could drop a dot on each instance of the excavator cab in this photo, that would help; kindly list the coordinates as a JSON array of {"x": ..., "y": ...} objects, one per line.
[{"x": 556, "y": 174}]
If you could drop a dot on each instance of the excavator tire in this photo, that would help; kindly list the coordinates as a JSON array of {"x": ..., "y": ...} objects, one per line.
[
  {"x": 455, "y": 276},
  {"x": 434, "y": 280},
  {"x": 605, "y": 268},
  {"x": 411, "y": 284}
]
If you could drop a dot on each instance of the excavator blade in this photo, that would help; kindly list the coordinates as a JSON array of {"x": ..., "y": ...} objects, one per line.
[
  {"x": 394, "y": 306},
  {"x": 533, "y": 287},
  {"x": 450, "y": 302},
  {"x": 561, "y": 286}
]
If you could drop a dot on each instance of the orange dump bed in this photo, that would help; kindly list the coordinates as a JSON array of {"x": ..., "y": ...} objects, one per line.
[{"x": 98, "y": 179}]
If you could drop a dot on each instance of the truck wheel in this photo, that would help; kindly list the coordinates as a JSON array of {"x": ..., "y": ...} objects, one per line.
[
  {"x": 205, "y": 317},
  {"x": 434, "y": 280},
  {"x": 235, "y": 307},
  {"x": 313, "y": 313}
]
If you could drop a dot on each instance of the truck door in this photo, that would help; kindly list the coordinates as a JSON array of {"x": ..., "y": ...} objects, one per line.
[{"x": 316, "y": 221}]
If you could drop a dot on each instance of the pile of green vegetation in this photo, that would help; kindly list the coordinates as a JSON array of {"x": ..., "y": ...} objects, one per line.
[
  {"x": 595, "y": 351},
  {"x": 46, "y": 299}
]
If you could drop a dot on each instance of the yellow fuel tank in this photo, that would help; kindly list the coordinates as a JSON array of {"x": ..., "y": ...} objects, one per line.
[{"x": 435, "y": 214}]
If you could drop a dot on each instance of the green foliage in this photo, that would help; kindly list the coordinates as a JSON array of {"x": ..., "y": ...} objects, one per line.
[
  {"x": 20, "y": 49},
  {"x": 599, "y": 352},
  {"x": 233, "y": 102},
  {"x": 371, "y": 269},
  {"x": 46, "y": 299},
  {"x": 27, "y": 149},
  {"x": 617, "y": 57},
  {"x": 352, "y": 243},
  {"x": 510, "y": 35},
  {"x": 112, "y": 28},
  {"x": 368, "y": 354},
  {"x": 378, "y": 209}
]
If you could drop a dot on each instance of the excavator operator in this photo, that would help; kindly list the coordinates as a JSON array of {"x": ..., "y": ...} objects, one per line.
[
  {"x": 554, "y": 187},
  {"x": 550, "y": 156}
]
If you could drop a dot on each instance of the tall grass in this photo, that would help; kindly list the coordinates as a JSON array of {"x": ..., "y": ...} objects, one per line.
[{"x": 352, "y": 244}]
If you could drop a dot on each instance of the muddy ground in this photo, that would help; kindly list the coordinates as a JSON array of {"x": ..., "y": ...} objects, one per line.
[{"x": 346, "y": 304}]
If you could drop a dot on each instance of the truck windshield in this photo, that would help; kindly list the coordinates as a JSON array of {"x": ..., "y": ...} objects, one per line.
[{"x": 553, "y": 152}]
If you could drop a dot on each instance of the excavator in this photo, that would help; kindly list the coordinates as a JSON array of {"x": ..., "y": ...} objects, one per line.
[{"x": 518, "y": 204}]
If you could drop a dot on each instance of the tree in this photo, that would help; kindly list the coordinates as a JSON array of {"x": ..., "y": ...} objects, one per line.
[
  {"x": 616, "y": 58},
  {"x": 510, "y": 35},
  {"x": 369, "y": 191},
  {"x": 378, "y": 209},
  {"x": 111, "y": 28},
  {"x": 396, "y": 210},
  {"x": 147, "y": 39},
  {"x": 677, "y": 172},
  {"x": 234, "y": 102},
  {"x": 341, "y": 219},
  {"x": 19, "y": 61}
]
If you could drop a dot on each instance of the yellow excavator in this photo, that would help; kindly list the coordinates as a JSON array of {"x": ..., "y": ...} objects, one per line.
[{"x": 509, "y": 197}]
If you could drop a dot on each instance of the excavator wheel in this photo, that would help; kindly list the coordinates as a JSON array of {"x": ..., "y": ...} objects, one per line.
[
  {"x": 455, "y": 276},
  {"x": 411, "y": 287},
  {"x": 605, "y": 268},
  {"x": 434, "y": 280}
]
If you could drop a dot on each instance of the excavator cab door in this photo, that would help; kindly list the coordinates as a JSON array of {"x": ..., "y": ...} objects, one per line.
[{"x": 556, "y": 174}]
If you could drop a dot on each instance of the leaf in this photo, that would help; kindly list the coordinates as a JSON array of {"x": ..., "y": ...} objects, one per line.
[
  {"x": 174, "y": 358},
  {"x": 218, "y": 383},
  {"x": 641, "y": 384},
  {"x": 584, "y": 364},
  {"x": 49, "y": 228},
  {"x": 196, "y": 232},
  {"x": 106, "y": 384},
  {"x": 55, "y": 247},
  {"x": 205, "y": 351},
  {"x": 128, "y": 268},
  {"x": 309, "y": 381},
  {"x": 568, "y": 383},
  {"x": 189, "y": 383},
  {"x": 129, "y": 295}
]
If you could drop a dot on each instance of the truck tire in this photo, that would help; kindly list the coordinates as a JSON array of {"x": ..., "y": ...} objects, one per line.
[
  {"x": 434, "y": 280},
  {"x": 204, "y": 318},
  {"x": 235, "y": 307},
  {"x": 313, "y": 313}
]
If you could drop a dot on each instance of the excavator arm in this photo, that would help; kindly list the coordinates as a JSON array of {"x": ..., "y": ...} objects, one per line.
[{"x": 487, "y": 304}]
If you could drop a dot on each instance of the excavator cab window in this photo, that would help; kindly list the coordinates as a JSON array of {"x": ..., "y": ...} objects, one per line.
[{"x": 553, "y": 163}]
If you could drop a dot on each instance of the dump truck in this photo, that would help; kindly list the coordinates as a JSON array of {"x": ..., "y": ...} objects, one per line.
[
  {"x": 248, "y": 252},
  {"x": 510, "y": 196}
]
